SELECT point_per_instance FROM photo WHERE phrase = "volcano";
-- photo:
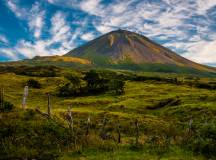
(123, 48)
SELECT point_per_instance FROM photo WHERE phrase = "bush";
(99, 83)
(35, 138)
(67, 89)
(33, 83)
(117, 86)
(205, 85)
(7, 106)
(73, 79)
(205, 141)
(95, 82)
(72, 88)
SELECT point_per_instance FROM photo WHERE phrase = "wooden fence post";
(70, 118)
(88, 125)
(137, 132)
(25, 94)
(2, 98)
(119, 132)
(48, 105)
(103, 133)
(190, 127)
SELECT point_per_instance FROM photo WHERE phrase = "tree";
(7, 107)
(76, 81)
(72, 88)
(95, 82)
(33, 83)
(117, 86)
(92, 77)
(66, 90)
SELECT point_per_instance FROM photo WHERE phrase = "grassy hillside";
(175, 116)
(62, 59)
(94, 61)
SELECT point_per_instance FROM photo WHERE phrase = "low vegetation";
(34, 71)
(105, 114)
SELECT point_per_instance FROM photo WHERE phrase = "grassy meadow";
(155, 119)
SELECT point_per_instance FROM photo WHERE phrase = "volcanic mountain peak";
(121, 46)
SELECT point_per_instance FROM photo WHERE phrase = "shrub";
(205, 85)
(202, 140)
(99, 83)
(73, 79)
(31, 139)
(95, 82)
(205, 141)
(7, 106)
(117, 86)
(33, 83)
(66, 90)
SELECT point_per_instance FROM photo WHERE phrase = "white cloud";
(87, 36)
(60, 34)
(103, 28)
(60, 29)
(3, 39)
(61, 40)
(202, 52)
(51, 1)
(120, 7)
(19, 12)
(91, 6)
(10, 53)
(36, 20)
(34, 16)
(204, 5)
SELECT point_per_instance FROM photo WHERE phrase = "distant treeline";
(191, 81)
(37, 71)
(103, 76)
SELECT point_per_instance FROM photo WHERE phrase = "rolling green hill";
(175, 116)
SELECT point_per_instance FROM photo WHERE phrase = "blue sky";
(54, 27)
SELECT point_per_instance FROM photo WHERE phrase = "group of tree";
(92, 83)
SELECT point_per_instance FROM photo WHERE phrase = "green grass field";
(143, 100)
